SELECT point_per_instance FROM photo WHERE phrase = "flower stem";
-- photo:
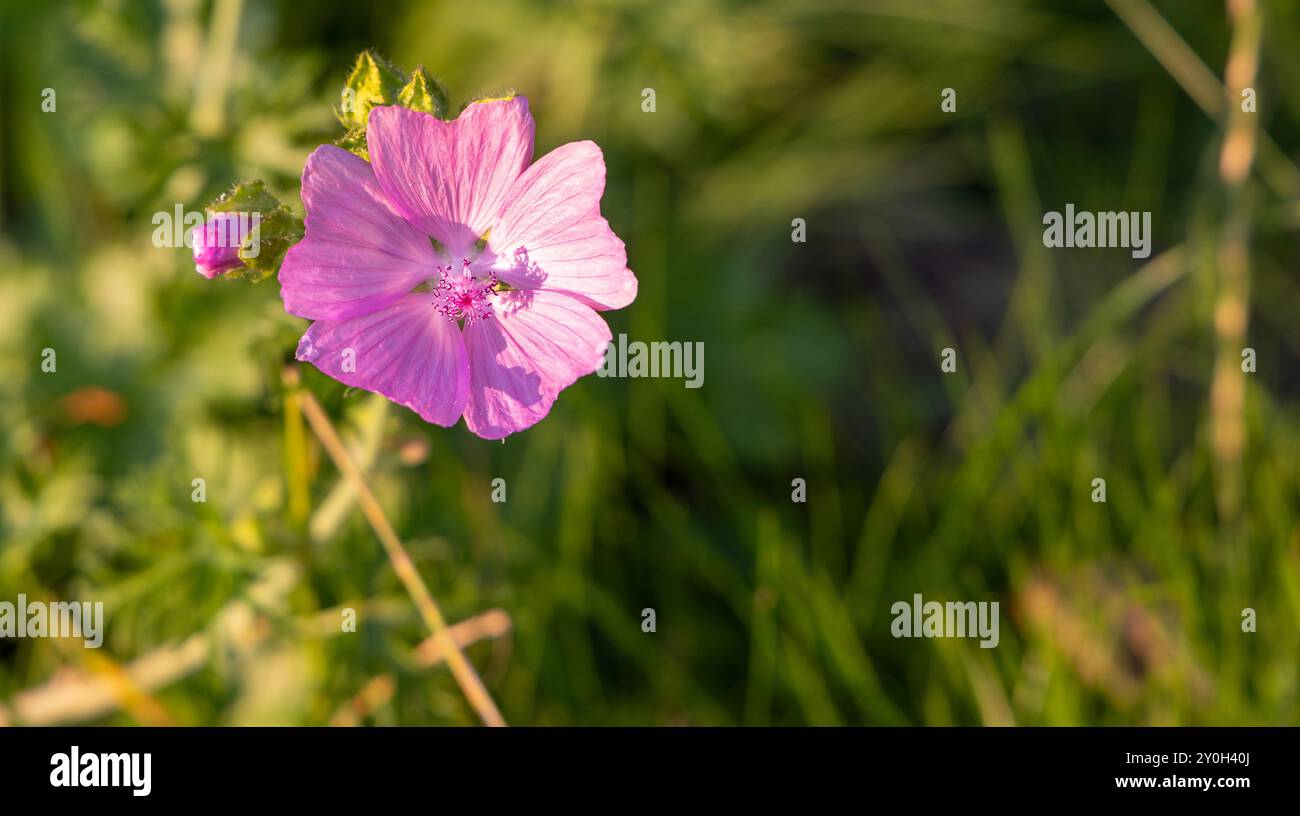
(466, 676)
(1232, 304)
(295, 457)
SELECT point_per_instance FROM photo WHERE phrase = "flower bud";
(217, 243)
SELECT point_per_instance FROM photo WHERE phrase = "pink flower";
(492, 330)
(216, 243)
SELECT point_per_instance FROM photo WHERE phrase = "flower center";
(464, 297)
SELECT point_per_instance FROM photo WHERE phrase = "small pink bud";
(217, 242)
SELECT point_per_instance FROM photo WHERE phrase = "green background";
(822, 363)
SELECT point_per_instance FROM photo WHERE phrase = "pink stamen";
(464, 297)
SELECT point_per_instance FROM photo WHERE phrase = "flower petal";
(359, 255)
(407, 352)
(450, 179)
(534, 346)
(552, 236)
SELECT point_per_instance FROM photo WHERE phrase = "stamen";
(463, 297)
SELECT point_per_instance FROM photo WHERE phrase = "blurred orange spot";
(94, 404)
(413, 450)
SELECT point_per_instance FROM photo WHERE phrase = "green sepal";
(424, 93)
(246, 196)
(373, 81)
(354, 141)
(279, 230)
(505, 97)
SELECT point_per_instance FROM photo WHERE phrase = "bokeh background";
(822, 363)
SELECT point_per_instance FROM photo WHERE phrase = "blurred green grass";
(821, 363)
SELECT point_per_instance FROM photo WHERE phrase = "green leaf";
(424, 93)
(373, 81)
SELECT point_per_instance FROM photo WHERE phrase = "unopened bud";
(217, 242)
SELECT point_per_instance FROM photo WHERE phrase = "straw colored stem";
(466, 676)
(1231, 308)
